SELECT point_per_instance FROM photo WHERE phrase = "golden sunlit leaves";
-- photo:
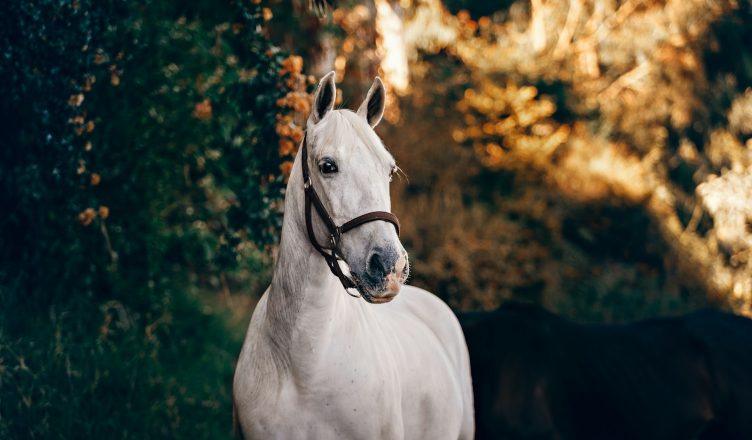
(203, 110)
(82, 125)
(509, 125)
(616, 114)
(100, 57)
(88, 82)
(294, 108)
(286, 147)
(740, 114)
(286, 167)
(87, 216)
(76, 100)
(340, 62)
(640, 69)
(292, 65)
(115, 75)
(266, 14)
(728, 200)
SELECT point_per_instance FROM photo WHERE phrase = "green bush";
(139, 164)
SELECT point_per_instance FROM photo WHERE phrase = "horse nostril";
(376, 265)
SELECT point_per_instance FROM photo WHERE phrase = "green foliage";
(139, 156)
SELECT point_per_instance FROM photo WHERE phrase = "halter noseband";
(335, 232)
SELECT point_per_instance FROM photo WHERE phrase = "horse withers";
(318, 363)
(539, 376)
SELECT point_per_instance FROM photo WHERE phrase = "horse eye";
(328, 166)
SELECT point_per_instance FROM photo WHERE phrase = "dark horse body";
(539, 376)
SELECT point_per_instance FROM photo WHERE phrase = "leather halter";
(333, 253)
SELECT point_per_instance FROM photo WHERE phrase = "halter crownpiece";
(335, 232)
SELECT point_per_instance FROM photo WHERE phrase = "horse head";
(350, 169)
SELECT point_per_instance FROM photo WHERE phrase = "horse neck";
(305, 298)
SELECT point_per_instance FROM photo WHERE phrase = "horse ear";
(373, 107)
(323, 100)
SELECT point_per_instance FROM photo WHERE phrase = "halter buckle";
(307, 183)
(334, 239)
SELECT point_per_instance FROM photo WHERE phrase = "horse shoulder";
(438, 317)
(443, 324)
(257, 383)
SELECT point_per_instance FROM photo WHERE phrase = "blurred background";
(594, 157)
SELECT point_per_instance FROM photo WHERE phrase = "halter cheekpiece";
(333, 253)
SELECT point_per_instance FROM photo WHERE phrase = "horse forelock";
(342, 127)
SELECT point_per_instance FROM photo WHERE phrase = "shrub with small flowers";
(143, 155)
(290, 125)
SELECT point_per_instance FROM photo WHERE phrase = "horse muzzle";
(384, 275)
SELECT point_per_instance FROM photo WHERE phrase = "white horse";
(317, 363)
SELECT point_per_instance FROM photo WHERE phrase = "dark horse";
(540, 376)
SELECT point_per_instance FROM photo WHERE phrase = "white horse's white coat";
(317, 363)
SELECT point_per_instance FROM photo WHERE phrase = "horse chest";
(384, 378)
(357, 390)
(351, 405)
